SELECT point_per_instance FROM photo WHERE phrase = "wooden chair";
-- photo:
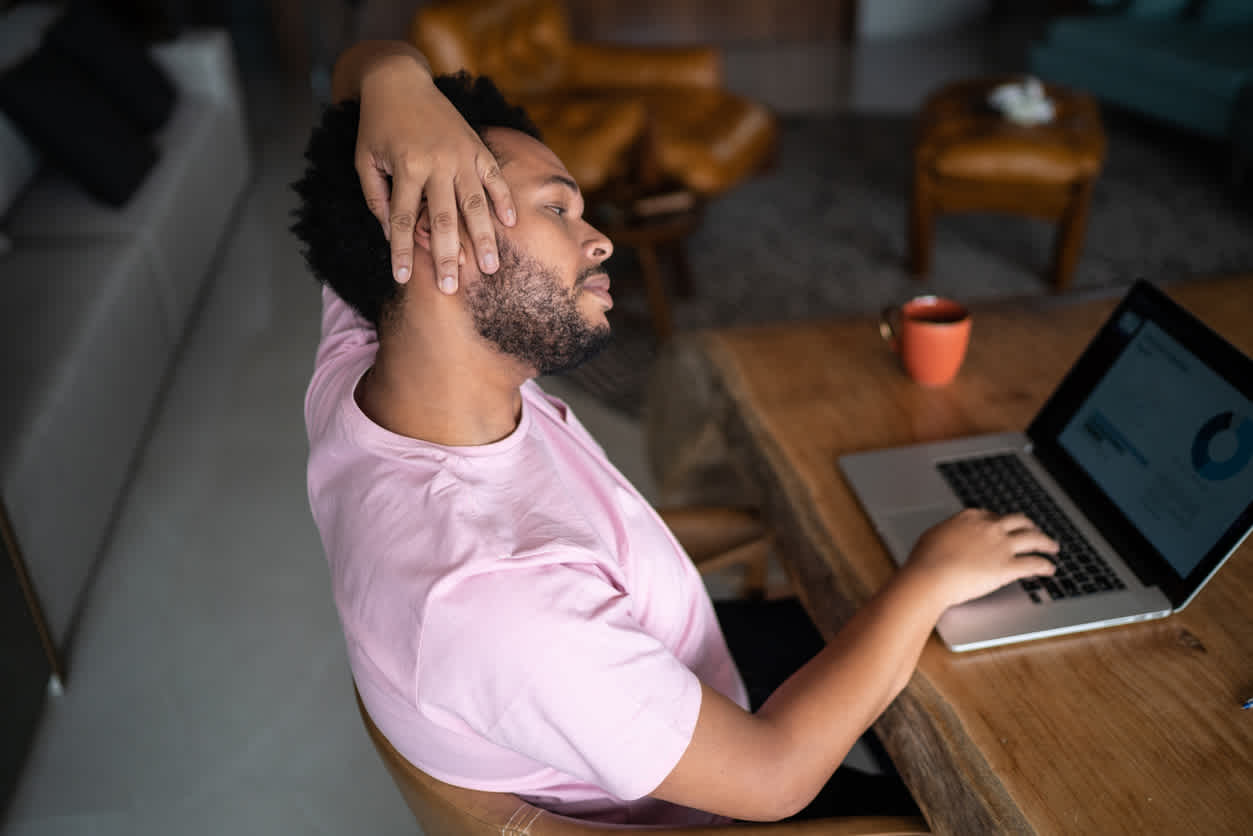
(716, 539)
(444, 810)
(722, 539)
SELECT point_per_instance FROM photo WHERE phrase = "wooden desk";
(1134, 729)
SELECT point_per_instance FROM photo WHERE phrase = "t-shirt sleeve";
(345, 334)
(342, 329)
(549, 662)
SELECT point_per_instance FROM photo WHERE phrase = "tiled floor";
(209, 691)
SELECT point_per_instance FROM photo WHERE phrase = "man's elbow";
(748, 767)
(758, 792)
(781, 791)
(776, 804)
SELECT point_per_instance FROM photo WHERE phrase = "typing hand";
(976, 552)
(412, 134)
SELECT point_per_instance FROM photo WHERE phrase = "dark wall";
(305, 30)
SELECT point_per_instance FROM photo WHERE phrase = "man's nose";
(598, 246)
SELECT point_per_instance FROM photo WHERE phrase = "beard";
(526, 313)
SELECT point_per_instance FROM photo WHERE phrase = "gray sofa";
(94, 303)
(1188, 62)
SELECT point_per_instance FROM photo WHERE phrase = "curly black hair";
(344, 243)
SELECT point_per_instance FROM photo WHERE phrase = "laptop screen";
(1168, 440)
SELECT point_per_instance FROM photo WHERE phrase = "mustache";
(595, 270)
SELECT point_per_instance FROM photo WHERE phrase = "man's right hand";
(976, 552)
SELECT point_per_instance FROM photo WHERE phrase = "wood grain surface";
(1135, 729)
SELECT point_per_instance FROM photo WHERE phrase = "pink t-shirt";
(518, 618)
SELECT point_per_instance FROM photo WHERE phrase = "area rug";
(822, 233)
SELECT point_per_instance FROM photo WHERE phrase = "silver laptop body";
(1146, 448)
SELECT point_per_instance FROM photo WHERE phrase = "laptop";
(1140, 464)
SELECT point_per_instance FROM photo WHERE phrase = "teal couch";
(1187, 62)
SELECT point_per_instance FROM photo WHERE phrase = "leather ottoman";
(968, 157)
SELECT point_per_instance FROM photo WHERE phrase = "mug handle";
(886, 330)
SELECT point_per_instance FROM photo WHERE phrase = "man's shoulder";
(477, 512)
(329, 395)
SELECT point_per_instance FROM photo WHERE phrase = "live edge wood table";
(1135, 729)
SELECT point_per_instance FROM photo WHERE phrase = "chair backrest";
(523, 45)
(444, 810)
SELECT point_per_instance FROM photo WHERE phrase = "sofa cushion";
(21, 29)
(19, 160)
(117, 63)
(57, 108)
(1146, 8)
(83, 352)
(1188, 73)
(1207, 57)
(178, 214)
(1225, 11)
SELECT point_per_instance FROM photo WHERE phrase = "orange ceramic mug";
(931, 334)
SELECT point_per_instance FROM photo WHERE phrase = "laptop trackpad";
(902, 529)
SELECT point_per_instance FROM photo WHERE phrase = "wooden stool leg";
(682, 270)
(921, 226)
(654, 284)
(1069, 241)
(756, 576)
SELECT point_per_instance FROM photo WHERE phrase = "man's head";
(545, 304)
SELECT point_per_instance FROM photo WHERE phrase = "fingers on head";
(377, 193)
(403, 214)
(497, 190)
(402, 221)
(445, 234)
(445, 228)
(478, 222)
(473, 203)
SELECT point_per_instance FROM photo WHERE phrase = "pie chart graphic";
(1223, 446)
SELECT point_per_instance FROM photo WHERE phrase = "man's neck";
(455, 401)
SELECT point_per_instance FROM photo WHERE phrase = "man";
(518, 619)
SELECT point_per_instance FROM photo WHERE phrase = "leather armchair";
(643, 117)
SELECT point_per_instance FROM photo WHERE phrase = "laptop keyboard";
(1002, 484)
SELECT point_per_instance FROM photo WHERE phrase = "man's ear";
(422, 229)
(422, 233)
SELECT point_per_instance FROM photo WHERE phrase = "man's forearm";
(827, 704)
(769, 765)
(352, 65)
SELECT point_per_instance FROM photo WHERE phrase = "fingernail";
(402, 274)
(448, 284)
(489, 261)
(510, 217)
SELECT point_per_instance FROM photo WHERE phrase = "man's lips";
(599, 286)
(599, 281)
